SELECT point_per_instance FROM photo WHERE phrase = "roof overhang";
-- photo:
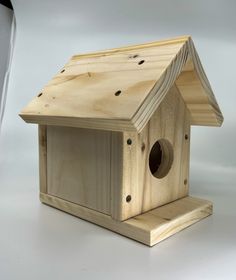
(120, 89)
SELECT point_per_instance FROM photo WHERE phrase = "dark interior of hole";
(118, 93)
(155, 157)
(141, 62)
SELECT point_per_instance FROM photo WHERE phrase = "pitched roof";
(120, 89)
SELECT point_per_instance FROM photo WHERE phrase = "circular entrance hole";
(161, 158)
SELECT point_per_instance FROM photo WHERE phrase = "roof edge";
(203, 114)
(90, 123)
(180, 39)
(204, 110)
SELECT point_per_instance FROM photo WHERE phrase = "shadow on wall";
(7, 39)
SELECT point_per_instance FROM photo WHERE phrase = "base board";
(148, 228)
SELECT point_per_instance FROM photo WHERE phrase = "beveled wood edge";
(135, 228)
(176, 40)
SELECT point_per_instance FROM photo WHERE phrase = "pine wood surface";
(79, 166)
(171, 121)
(148, 228)
(120, 89)
(99, 169)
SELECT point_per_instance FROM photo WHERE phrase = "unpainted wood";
(171, 122)
(126, 195)
(85, 91)
(116, 173)
(42, 134)
(79, 166)
(179, 39)
(148, 228)
(201, 112)
(85, 95)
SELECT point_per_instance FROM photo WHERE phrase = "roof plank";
(120, 89)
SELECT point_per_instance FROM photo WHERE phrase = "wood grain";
(129, 185)
(42, 133)
(84, 93)
(171, 122)
(78, 166)
(116, 174)
(148, 228)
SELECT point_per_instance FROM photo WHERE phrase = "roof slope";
(120, 89)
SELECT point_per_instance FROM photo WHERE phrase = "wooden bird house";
(114, 137)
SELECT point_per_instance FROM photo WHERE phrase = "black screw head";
(118, 92)
(143, 147)
(141, 62)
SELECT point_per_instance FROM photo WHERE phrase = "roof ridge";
(176, 40)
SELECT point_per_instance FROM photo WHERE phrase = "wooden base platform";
(148, 228)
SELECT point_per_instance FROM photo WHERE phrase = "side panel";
(78, 165)
(139, 190)
(171, 121)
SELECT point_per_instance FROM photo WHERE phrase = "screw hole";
(143, 147)
(118, 93)
(133, 56)
(40, 94)
(186, 136)
(141, 62)
(63, 70)
(128, 198)
(185, 181)
(129, 141)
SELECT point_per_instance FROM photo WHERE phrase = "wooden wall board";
(120, 90)
(116, 174)
(126, 195)
(148, 228)
(171, 122)
(78, 166)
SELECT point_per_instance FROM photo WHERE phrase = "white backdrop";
(37, 241)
